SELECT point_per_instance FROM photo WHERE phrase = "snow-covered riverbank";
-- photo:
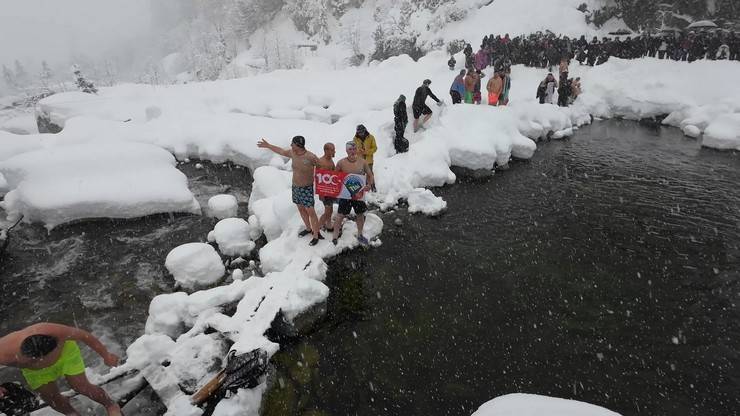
(116, 139)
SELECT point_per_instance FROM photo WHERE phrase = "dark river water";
(605, 270)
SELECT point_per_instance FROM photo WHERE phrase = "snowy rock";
(165, 314)
(222, 206)
(195, 360)
(232, 237)
(519, 404)
(691, 131)
(59, 184)
(723, 133)
(237, 275)
(424, 201)
(194, 265)
(255, 231)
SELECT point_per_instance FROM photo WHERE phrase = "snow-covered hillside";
(333, 34)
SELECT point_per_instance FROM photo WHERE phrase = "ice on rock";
(519, 404)
(195, 265)
(222, 206)
(232, 236)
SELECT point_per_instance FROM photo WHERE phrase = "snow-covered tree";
(45, 75)
(82, 83)
(311, 17)
(22, 79)
(9, 78)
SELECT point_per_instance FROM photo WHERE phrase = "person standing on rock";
(470, 81)
(327, 162)
(457, 89)
(419, 106)
(303, 163)
(495, 86)
(400, 120)
(353, 164)
(46, 352)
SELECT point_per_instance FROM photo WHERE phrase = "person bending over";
(46, 352)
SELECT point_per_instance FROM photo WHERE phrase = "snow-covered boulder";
(59, 184)
(222, 206)
(723, 133)
(691, 131)
(520, 404)
(232, 236)
(194, 265)
(424, 201)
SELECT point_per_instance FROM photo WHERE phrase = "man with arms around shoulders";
(327, 162)
(46, 352)
(357, 165)
(303, 163)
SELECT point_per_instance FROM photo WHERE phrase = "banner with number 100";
(340, 185)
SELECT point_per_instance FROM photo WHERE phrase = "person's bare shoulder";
(49, 328)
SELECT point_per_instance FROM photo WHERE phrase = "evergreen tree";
(83, 84)
(46, 75)
(21, 76)
(311, 17)
(9, 78)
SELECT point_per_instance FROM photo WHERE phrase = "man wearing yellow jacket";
(365, 143)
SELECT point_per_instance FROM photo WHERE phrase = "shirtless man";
(303, 163)
(353, 164)
(327, 162)
(45, 352)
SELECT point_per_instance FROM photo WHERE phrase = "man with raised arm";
(357, 165)
(45, 352)
(303, 163)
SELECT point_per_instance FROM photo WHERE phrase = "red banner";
(339, 185)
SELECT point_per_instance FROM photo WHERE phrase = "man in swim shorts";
(303, 163)
(327, 162)
(46, 352)
(353, 164)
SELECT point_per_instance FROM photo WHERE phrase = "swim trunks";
(303, 195)
(70, 363)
